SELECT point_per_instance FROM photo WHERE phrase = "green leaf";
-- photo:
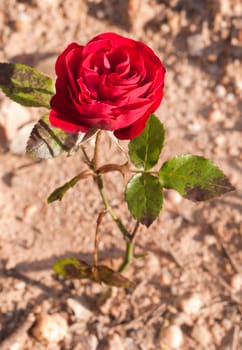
(26, 85)
(47, 142)
(144, 197)
(59, 192)
(73, 268)
(194, 177)
(144, 150)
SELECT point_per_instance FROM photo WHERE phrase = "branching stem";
(129, 237)
(129, 249)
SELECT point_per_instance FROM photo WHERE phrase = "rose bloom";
(113, 83)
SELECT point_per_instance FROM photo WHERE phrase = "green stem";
(109, 209)
(129, 249)
(99, 182)
(98, 179)
(87, 159)
(128, 256)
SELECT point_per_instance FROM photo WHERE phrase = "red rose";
(112, 83)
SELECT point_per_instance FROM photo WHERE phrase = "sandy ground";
(191, 276)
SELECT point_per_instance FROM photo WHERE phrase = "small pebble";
(225, 7)
(230, 97)
(174, 23)
(165, 28)
(205, 256)
(19, 142)
(165, 278)
(23, 22)
(183, 319)
(8, 112)
(174, 197)
(215, 116)
(217, 332)
(234, 151)
(46, 3)
(29, 212)
(238, 84)
(80, 311)
(195, 45)
(100, 14)
(228, 123)
(49, 328)
(220, 91)
(92, 342)
(115, 343)
(174, 290)
(212, 57)
(152, 264)
(237, 9)
(16, 346)
(210, 240)
(20, 285)
(202, 335)
(236, 282)
(129, 342)
(220, 140)
(191, 304)
(171, 337)
(227, 324)
(195, 126)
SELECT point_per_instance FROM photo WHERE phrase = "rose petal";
(69, 125)
(60, 63)
(133, 130)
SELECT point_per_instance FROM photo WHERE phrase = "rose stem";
(95, 253)
(93, 166)
(129, 238)
(115, 218)
(129, 249)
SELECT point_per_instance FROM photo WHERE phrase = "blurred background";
(188, 286)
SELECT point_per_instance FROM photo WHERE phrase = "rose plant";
(112, 84)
